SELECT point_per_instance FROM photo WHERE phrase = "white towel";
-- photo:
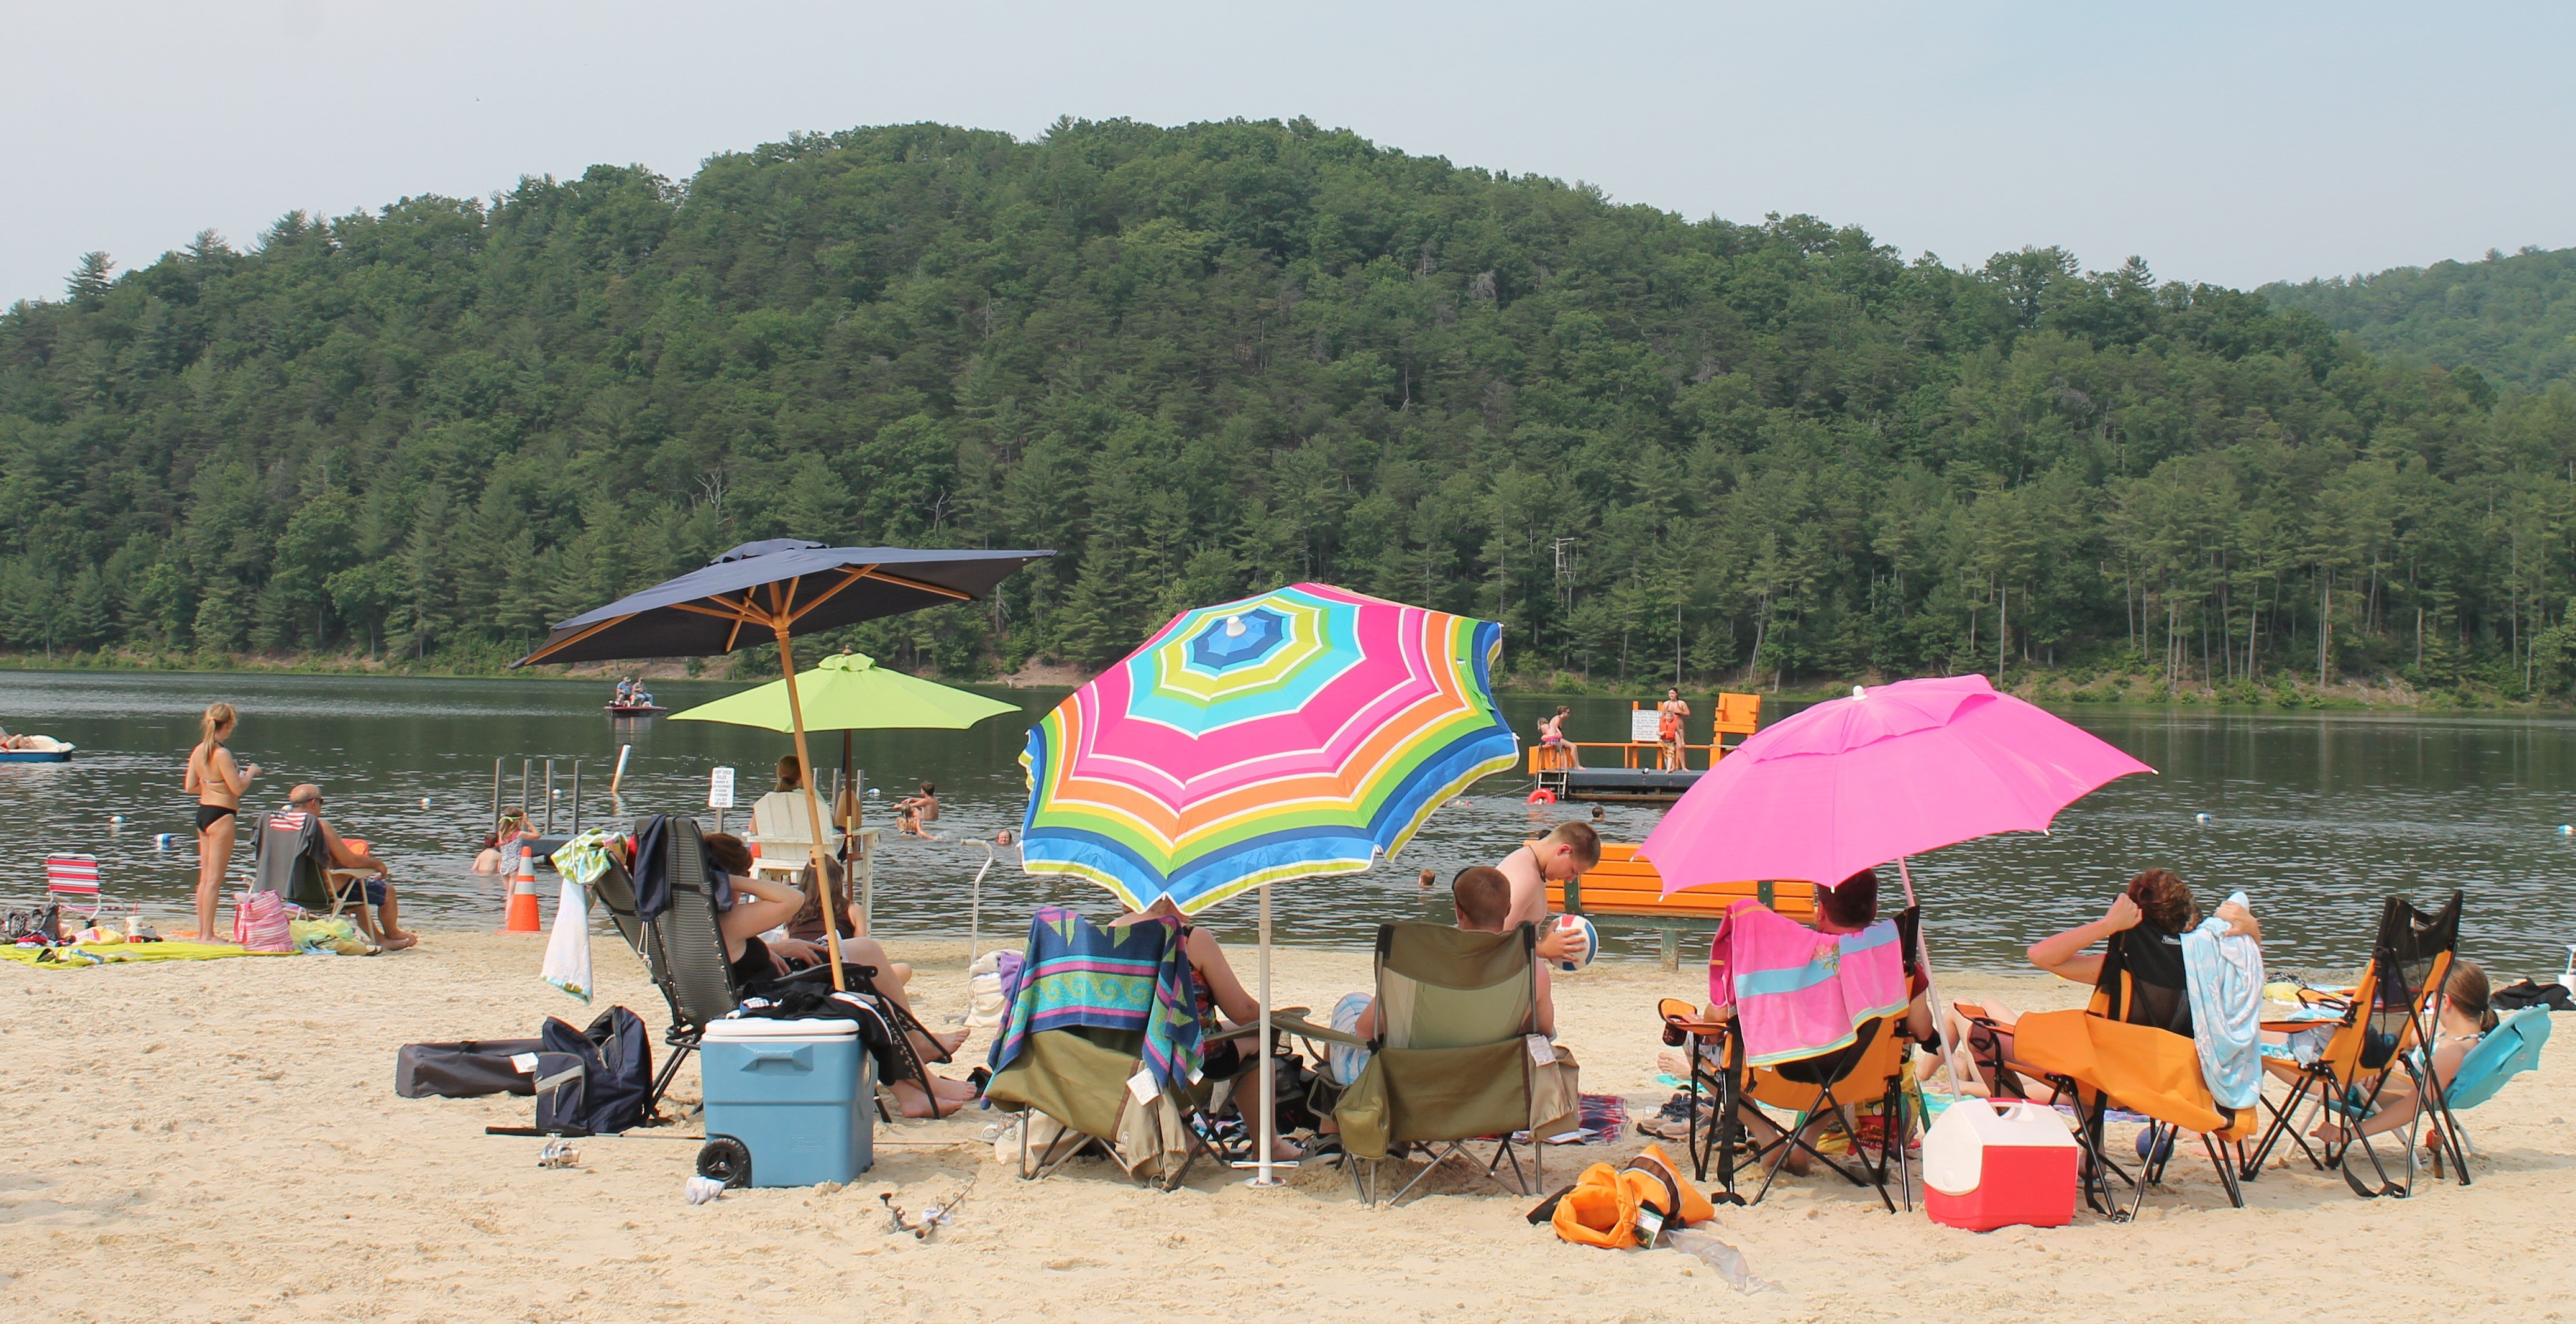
(2224, 974)
(568, 949)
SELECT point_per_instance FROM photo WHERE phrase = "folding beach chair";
(683, 951)
(290, 858)
(2388, 1018)
(1870, 1069)
(2508, 1050)
(2122, 1050)
(1453, 1062)
(1102, 1036)
(71, 881)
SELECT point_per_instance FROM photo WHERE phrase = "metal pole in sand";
(1269, 1087)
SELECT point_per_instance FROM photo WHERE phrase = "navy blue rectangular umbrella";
(764, 591)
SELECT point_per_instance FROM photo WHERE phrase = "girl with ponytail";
(217, 782)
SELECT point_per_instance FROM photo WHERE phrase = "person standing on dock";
(217, 782)
(1668, 730)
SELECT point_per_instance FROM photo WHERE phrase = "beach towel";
(1078, 974)
(1798, 993)
(567, 965)
(79, 956)
(584, 858)
(2223, 973)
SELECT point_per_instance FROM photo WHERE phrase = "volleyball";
(1581, 927)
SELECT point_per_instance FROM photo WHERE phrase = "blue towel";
(2223, 973)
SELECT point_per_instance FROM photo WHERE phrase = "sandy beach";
(219, 1140)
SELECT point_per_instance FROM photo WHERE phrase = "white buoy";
(2200, 818)
(2565, 829)
(424, 802)
(116, 818)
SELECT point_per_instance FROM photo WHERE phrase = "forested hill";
(1209, 359)
(2511, 318)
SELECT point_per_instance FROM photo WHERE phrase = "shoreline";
(2062, 688)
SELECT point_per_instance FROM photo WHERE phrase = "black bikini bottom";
(209, 815)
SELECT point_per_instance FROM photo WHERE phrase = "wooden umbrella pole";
(813, 804)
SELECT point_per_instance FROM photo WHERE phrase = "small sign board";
(720, 789)
(1641, 725)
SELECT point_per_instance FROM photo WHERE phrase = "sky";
(2234, 143)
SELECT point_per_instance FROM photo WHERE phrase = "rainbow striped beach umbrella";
(1290, 735)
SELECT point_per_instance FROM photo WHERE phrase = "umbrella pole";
(1269, 1087)
(1931, 984)
(813, 807)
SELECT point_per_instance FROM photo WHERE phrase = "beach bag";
(1629, 1206)
(469, 1068)
(260, 922)
(989, 985)
(617, 1075)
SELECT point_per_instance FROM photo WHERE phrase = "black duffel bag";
(472, 1068)
(617, 1078)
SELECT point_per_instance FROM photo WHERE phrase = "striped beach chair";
(71, 881)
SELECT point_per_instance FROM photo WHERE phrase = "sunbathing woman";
(2465, 1017)
(218, 783)
(761, 904)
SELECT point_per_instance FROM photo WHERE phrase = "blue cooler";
(801, 1095)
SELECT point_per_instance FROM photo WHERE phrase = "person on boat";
(217, 782)
(8, 741)
(307, 798)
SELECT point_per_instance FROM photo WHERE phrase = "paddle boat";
(634, 702)
(36, 749)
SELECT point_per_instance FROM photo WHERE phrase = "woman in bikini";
(1668, 730)
(217, 782)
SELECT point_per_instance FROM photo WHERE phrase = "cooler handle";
(797, 1059)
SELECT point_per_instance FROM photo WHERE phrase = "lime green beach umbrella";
(850, 692)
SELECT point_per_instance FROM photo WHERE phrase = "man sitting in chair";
(379, 889)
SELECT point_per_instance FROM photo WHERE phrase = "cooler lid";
(739, 1029)
(1954, 1150)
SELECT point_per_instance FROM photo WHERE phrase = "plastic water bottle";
(700, 1190)
(1726, 1259)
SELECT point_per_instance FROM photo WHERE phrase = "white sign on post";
(1642, 723)
(720, 789)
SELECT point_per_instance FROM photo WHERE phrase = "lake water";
(2317, 815)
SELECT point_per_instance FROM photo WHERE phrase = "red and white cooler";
(1985, 1168)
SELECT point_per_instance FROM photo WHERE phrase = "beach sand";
(219, 1140)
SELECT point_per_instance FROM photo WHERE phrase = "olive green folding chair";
(1452, 1063)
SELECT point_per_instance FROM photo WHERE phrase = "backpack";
(617, 1075)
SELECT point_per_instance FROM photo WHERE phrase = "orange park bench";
(1626, 891)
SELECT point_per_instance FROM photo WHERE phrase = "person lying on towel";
(307, 798)
(761, 904)
(2157, 900)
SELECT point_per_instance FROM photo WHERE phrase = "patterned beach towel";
(1076, 973)
(1796, 992)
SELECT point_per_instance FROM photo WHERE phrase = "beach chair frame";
(2385, 1025)
(72, 877)
(305, 878)
(683, 954)
(1514, 1000)
(2114, 1001)
(1079, 1076)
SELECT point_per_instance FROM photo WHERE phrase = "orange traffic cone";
(523, 895)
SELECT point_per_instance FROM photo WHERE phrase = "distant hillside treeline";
(1208, 359)
(2512, 318)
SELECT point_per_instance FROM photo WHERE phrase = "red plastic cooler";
(1985, 1168)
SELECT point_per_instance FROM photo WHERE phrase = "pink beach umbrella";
(1889, 772)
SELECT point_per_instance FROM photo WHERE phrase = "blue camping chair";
(2508, 1050)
